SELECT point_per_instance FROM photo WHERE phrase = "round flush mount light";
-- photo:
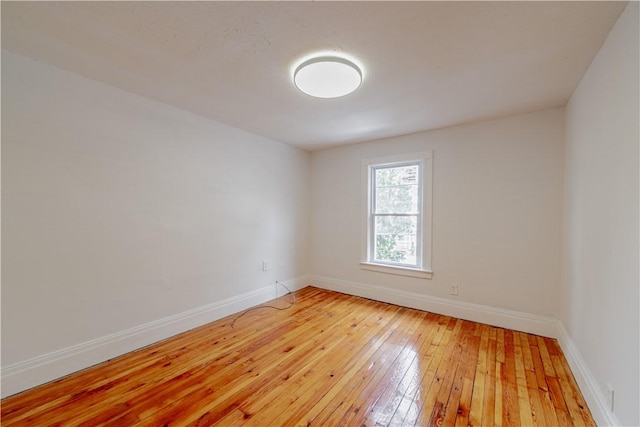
(327, 76)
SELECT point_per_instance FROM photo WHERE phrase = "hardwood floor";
(330, 359)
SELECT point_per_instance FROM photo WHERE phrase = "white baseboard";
(586, 381)
(525, 322)
(42, 369)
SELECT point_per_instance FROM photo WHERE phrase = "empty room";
(320, 213)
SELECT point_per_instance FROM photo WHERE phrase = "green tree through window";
(395, 213)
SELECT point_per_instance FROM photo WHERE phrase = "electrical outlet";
(454, 290)
(265, 266)
(610, 396)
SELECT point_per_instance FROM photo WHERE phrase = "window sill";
(400, 271)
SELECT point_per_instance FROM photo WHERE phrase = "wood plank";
(510, 405)
(489, 394)
(537, 409)
(497, 415)
(480, 379)
(439, 389)
(547, 365)
(459, 405)
(330, 359)
(543, 389)
(449, 396)
(524, 401)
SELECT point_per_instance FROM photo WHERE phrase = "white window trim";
(426, 157)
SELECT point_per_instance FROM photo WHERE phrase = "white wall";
(600, 267)
(497, 196)
(119, 210)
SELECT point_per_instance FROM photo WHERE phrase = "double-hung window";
(397, 229)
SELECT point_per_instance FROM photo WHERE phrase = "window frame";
(423, 254)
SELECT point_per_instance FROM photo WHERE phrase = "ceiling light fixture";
(327, 76)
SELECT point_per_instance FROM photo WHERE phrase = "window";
(397, 225)
(396, 214)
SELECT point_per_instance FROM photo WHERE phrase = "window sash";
(373, 215)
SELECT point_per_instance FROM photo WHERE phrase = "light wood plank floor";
(331, 359)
